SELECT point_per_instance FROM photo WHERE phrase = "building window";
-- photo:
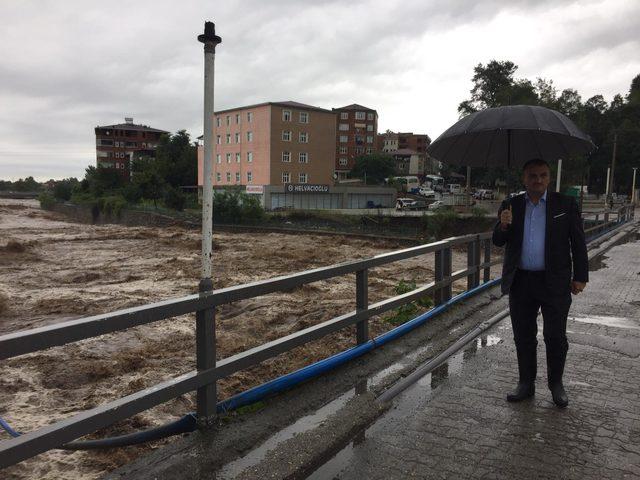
(228, 176)
(249, 136)
(249, 117)
(369, 150)
(286, 135)
(218, 122)
(249, 157)
(359, 139)
(237, 138)
(360, 115)
(343, 126)
(228, 158)
(302, 178)
(249, 177)
(218, 158)
(228, 120)
(228, 138)
(303, 137)
(369, 139)
(369, 116)
(343, 162)
(303, 157)
(286, 115)
(237, 118)
(218, 177)
(286, 156)
(238, 157)
(237, 177)
(359, 149)
(344, 139)
(344, 115)
(286, 177)
(369, 128)
(304, 117)
(343, 150)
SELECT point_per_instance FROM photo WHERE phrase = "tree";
(146, 179)
(177, 160)
(375, 167)
(63, 189)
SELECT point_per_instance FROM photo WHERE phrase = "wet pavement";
(455, 423)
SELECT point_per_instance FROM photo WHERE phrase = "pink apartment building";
(272, 143)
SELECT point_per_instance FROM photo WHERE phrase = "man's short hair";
(535, 162)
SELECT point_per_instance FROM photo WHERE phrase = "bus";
(436, 182)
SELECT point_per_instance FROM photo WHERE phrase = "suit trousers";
(529, 294)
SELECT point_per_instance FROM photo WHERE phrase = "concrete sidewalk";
(456, 424)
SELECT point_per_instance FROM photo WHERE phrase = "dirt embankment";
(53, 270)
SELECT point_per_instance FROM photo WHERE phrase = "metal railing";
(203, 379)
(208, 371)
(603, 220)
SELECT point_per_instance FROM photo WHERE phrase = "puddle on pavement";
(411, 399)
(619, 322)
(597, 263)
(255, 456)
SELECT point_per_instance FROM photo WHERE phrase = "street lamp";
(205, 320)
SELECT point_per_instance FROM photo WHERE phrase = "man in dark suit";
(544, 239)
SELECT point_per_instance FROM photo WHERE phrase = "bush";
(174, 198)
(112, 205)
(408, 311)
(439, 221)
(46, 200)
(235, 207)
(132, 193)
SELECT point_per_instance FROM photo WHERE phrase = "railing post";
(362, 303)
(487, 259)
(205, 359)
(473, 262)
(438, 273)
(446, 272)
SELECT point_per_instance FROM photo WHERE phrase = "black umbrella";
(509, 136)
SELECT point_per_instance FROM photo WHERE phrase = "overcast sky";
(68, 66)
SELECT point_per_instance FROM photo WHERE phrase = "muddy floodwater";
(52, 270)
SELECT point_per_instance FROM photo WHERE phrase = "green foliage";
(111, 205)
(22, 185)
(46, 200)
(441, 220)
(495, 85)
(376, 167)
(479, 212)
(177, 160)
(147, 179)
(63, 189)
(408, 311)
(174, 198)
(236, 207)
(254, 407)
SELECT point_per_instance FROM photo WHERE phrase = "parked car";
(437, 205)
(484, 194)
(410, 204)
(427, 192)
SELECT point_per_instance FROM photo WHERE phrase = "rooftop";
(287, 103)
(129, 125)
(355, 106)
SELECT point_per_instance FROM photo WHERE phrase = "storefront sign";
(305, 188)
(258, 189)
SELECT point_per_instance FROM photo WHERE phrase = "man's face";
(536, 179)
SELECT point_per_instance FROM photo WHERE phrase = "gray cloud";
(69, 66)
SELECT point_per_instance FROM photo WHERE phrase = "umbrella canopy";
(509, 136)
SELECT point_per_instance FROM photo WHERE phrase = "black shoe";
(522, 392)
(559, 395)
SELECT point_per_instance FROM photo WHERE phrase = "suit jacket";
(564, 245)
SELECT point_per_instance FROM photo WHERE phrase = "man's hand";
(506, 217)
(577, 287)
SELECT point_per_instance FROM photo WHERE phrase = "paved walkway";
(456, 424)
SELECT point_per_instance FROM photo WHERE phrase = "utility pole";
(633, 187)
(468, 186)
(613, 162)
(205, 319)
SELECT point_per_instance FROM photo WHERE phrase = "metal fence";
(203, 380)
